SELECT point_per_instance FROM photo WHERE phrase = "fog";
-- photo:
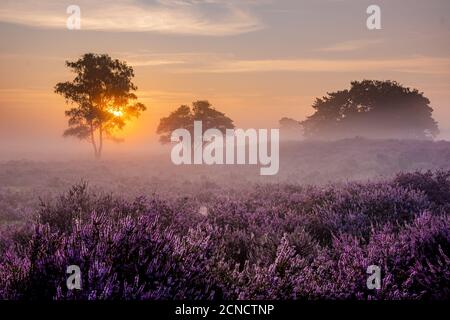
(24, 181)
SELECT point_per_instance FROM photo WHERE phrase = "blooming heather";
(276, 241)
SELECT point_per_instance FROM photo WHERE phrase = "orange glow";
(116, 113)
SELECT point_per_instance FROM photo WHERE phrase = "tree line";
(102, 100)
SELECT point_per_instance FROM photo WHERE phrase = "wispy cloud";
(152, 59)
(420, 65)
(354, 45)
(197, 17)
(24, 95)
(215, 63)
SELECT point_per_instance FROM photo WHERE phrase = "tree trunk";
(100, 148)
(94, 144)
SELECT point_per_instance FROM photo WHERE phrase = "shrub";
(276, 241)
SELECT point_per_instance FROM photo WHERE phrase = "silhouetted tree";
(103, 99)
(290, 129)
(184, 117)
(379, 109)
(180, 118)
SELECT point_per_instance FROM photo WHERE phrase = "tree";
(290, 129)
(375, 109)
(184, 117)
(102, 98)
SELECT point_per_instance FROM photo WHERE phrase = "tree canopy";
(375, 109)
(102, 98)
(290, 129)
(184, 117)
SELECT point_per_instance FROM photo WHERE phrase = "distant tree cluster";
(290, 129)
(184, 117)
(373, 109)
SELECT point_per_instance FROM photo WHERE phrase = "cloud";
(24, 95)
(195, 17)
(422, 65)
(181, 60)
(198, 62)
(354, 45)
(145, 58)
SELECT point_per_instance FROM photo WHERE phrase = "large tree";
(102, 99)
(184, 117)
(376, 109)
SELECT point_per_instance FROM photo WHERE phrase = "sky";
(255, 60)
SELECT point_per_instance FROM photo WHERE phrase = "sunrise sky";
(255, 60)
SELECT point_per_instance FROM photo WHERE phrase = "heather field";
(142, 228)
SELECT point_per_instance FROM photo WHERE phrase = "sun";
(116, 113)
